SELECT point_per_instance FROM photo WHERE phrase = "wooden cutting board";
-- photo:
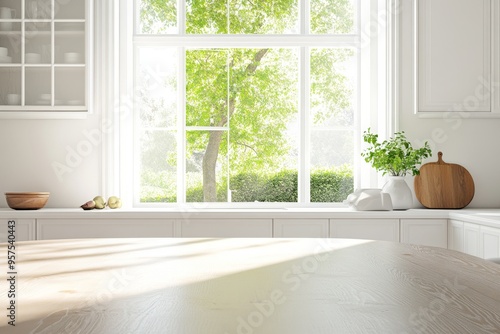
(444, 186)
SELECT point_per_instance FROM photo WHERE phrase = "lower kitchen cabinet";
(425, 232)
(226, 228)
(24, 229)
(104, 228)
(301, 228)
(489, 242)
(371, 229)
(471, 239)
(468, 237)
(474, 239)
(456, 235)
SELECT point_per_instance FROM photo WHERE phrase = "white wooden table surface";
(188, 286)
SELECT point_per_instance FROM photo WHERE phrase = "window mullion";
(305, 15)
(181, 16)
(304, 171)
(181, 107)
(181, 126)
(304, 190)
(250, 41)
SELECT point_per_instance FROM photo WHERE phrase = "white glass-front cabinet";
(44, 53)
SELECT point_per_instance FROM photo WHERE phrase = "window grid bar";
(181, 16)
(214, 41)
(136, 129)
(23, 53)
(304, 16)
(207, 128)
(228, 136)
(228, 16)
(181, 108)
(181, 123)
(303, 166)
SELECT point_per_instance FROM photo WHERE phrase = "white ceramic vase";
(399, 191)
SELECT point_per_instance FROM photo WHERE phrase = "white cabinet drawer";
(426, 232)
(301, 228)
(471, 239)
(456, 235)
(104, 228)
(489, 242)
(24, 229)
(227, 228)
(370, 229)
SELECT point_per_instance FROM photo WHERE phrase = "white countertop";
(490, 217)
(176, 213)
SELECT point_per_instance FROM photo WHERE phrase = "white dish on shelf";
(4, 52)
(42, 103)
(74, 103)
(5, 59)
(33, 58)
(13, 99)
(72, 58)
(45, 97)
(5, 26)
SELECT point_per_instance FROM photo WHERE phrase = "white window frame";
(376, 93)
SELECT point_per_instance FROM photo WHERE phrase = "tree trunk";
(209, 163)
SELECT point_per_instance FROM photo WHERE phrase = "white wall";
(30, 149)
(472, 143)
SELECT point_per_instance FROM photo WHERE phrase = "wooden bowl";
(27, 200)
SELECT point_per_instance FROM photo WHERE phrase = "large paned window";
(239, 101)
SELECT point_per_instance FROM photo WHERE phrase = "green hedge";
(326, 186)
(332, 185)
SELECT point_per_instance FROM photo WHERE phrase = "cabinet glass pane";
(70, 43)
(70, 86)
(38, 44)
(10, 9)
(43, 54)
(69, 10)
(38, 9)
(10, 44)
(10, 86)
(38, 86)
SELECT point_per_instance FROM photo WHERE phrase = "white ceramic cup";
(4, 51)
(13, 99)
(33, 58)
(7, 13)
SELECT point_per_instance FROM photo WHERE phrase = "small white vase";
(399, 191)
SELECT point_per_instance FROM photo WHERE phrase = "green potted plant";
(396, 157)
